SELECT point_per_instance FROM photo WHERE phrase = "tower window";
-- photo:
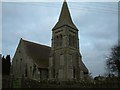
(74, 41)
(57, 41)
(69, 40)
(61, 40)
(73, 72)
(54, 41)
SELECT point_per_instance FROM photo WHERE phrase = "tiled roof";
(83, 67)
(39, 53)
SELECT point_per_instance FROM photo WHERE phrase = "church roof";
(39, 53)
(83, 67)
(65, 18)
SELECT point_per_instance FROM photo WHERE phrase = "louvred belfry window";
(61, 40)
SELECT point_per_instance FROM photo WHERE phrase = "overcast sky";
(97, 24)
(59, 0)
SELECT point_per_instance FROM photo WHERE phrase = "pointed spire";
(64, 0)
(65, 14)
(65, 17)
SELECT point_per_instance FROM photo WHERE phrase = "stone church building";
(61, 61)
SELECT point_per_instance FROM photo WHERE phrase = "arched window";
(34, 69)
(73, 71)
(25, 70)
(54, 41)
(69, 40)
(20, 65)
(61, 40)
(53, 73)
(31, 70)
(57, 40)
(16, 63)
(74, 41)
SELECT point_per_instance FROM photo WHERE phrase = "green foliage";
(17, 83)
(112, 83)
(6, 65)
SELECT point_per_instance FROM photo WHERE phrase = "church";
(62, 61)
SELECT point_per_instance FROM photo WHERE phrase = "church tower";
(65, 61)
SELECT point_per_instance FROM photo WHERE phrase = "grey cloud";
(97, 31)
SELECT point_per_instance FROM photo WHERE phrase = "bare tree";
(113, 60)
